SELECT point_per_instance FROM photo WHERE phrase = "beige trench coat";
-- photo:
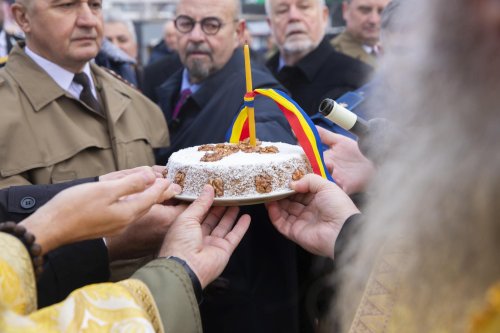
(345, 43)
(47, 136)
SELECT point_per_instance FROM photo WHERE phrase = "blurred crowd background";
(150, 17)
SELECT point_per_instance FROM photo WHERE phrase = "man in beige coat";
(48, 133)
(64, 118)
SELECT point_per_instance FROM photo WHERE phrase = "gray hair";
(267, 5)
(127, 23)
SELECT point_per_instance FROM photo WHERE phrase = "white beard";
(293, 46)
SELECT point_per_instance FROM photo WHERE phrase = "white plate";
(242, 201)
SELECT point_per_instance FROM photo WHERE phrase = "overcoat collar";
(30, 77)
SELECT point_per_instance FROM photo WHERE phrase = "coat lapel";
(115, 100)
(29, 75)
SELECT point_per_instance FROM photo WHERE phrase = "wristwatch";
(198, 292)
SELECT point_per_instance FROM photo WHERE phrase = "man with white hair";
(119, 50)
(309, 67)
(122, 34)
(306, 64)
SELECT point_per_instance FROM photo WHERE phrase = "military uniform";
(48, 136)
(345, 43)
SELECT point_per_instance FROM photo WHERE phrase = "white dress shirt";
(61, 76)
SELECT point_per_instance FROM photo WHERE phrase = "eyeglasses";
(209, 25)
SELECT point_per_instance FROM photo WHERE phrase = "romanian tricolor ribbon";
(302, 126)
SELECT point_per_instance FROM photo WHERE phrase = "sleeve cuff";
(173, 292)
(194, 279)
(345, 232)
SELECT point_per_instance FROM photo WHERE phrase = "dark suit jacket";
(257, 291)
(207, 115)
(66, 268)
(323, 73)
(157, 72)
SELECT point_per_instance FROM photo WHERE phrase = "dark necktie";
(185, 93)
(86, 95)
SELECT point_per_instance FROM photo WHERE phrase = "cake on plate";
(238, 170)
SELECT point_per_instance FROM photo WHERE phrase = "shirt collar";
(61, 76)
(185, 82)
(281, 62)
(369, 49)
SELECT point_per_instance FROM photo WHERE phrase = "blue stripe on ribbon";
(249, 104)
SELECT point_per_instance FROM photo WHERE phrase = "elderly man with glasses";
(200, 100)
(258, 290)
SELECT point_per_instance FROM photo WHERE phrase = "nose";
(374, 17)
(294, 13)
(197, 33)
(86, 17)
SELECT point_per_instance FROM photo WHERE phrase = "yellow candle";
(248, 76)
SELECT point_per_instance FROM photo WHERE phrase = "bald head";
(205, 53)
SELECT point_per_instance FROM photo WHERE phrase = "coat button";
(28, 202)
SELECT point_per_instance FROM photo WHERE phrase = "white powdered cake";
(238, 170)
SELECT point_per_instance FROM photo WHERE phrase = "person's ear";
(325, 14)
(269, 22)
(240, 32)
(21, 16)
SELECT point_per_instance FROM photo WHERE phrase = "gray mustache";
(294, 27)
(197, 48)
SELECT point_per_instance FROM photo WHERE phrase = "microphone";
(346, 119)
(375, 136)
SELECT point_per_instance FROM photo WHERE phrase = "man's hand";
(205, 237)
(313, 217)
(157, 169)
(349, 167)
(98, 209)
(145, 236)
